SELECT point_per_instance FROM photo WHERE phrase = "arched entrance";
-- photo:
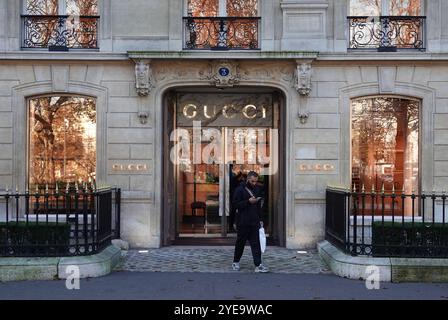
(212, 139)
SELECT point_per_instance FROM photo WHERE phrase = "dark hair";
(252, 174)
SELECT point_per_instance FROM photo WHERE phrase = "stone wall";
(293, 25)
(322, 140)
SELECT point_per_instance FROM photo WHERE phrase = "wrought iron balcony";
(387, 33)
(221, 33)
(60, 33)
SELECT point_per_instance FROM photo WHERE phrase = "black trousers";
(250, 233)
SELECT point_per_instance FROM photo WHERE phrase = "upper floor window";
(385, 7)
(221, 24)
(386, 25)
(60, 24)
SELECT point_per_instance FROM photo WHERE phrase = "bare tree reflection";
(62, 140)
(385, 134)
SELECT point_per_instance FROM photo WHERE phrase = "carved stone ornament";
(223, 73)
(143, 77)
(302, 77)
(303, 117)
(143, 116)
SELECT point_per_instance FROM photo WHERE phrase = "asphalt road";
(228, 286)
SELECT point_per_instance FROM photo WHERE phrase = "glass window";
(42, 7)
(203, 8)
(365, 8)
(209, 25)
(405, 7)
(212, 8)
(60, 24)
(82, 8)
(242, 8)
(385, 144)
(385, 7)
(62, 7)
(62, 140)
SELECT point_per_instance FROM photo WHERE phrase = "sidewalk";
(219, 260)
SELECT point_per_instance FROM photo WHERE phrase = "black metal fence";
(60, 33)
(52, 223)
(387, 33)
(218, 33)
(387, 224)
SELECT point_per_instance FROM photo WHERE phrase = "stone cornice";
(63, 56)
(229, 55)
(211, 55)
(376, 56)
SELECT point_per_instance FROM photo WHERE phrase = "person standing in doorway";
(248, 200)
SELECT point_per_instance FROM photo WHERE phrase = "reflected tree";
(62, 139)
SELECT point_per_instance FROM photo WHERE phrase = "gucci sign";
(316, 167)
(224, 109)
(129, 167)
(250, 111)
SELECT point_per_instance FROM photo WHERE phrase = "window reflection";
(42, 7)
(365, 8)
(242, 8)
(405, 7)
(203, 8)
(222, 32)
(62, 140)
(385, 8)
(82, 8)
(385, 144)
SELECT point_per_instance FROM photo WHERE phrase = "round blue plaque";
(224, 72)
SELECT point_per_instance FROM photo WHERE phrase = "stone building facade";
(304, 56)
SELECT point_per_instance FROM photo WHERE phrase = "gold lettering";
(208, 116)
(187, 108)
(129, 167)
(246, 108)
(225, 114)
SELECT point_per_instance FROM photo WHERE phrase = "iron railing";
(387, 224)
(221, 33)
(387, 33)
(60, 33)
(53, 223)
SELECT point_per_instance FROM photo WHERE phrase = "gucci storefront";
(217, 137)
(179, 135)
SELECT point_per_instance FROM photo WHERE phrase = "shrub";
(409, 239)
(32, 238)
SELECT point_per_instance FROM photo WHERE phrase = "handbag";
(262, 235)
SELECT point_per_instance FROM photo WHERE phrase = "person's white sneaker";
(261, 269)
(236, 266)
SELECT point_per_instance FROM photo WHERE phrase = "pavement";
(195, 274)
(219, 260)
(197, 287)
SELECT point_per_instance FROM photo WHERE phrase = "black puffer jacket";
(247, 214)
